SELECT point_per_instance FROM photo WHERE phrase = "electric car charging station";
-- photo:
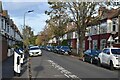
(17, 63)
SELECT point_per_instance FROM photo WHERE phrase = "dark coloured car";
(91, 56)
(43, 47)
(65, 50)
(57, 49)
(49, 48)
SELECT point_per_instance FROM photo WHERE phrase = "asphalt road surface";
(52, 65)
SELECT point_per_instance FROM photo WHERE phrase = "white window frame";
(95, 44)
(102, 43)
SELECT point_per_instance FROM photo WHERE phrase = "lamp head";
(30, 11)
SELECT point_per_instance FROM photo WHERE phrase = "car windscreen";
(92, 52)
(65, 47)
(115, 51)
(49, 47)
(58, 47)
(34, 48)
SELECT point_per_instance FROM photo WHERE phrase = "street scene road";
(48, 66)
(52, 65)
(49, 39)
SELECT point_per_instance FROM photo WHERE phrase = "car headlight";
(31, 53)
(96, 57)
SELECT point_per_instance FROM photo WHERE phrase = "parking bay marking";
(66, 73)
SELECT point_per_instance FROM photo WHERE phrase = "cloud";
(37, 23)
(17, 9)
(25, 0)
(36, 20)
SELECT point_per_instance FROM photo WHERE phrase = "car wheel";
(98, 63)
(83, 59)
(66, 52)
(91, 60)
(111, 65)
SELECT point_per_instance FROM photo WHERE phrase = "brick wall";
(117, 45)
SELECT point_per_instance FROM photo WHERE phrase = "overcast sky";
(36, 20)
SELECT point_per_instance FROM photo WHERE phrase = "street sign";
(89, 38)
(110, 39)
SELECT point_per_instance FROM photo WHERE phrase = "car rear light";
(116, 58)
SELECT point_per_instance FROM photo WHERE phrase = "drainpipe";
(119, 29)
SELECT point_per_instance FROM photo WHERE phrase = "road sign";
(89, 38)
(110, 39)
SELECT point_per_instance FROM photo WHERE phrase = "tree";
(28, 36)
(58, 19)
(44, 36)
(82, 14)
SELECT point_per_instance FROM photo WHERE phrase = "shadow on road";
(38, 69)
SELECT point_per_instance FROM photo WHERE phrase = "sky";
(36, 20)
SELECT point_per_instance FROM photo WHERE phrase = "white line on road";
(67, 73)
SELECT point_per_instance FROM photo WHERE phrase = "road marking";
(66, 73)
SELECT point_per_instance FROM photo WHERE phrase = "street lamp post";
(29, 65)
(24, 27)
(89, 39)
(25, 15)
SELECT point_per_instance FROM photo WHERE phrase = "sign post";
(89, 39)
(111, 40)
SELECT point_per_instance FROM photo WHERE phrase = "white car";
(110, 57)
(35, 51)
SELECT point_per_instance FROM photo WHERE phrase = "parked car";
(41, 47)
(35, 51)
(64, 50)
(110, 57)
(57, 49)
(91, 55)
(49, 48)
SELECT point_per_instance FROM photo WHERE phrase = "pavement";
(54, 66)
(8, 69)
